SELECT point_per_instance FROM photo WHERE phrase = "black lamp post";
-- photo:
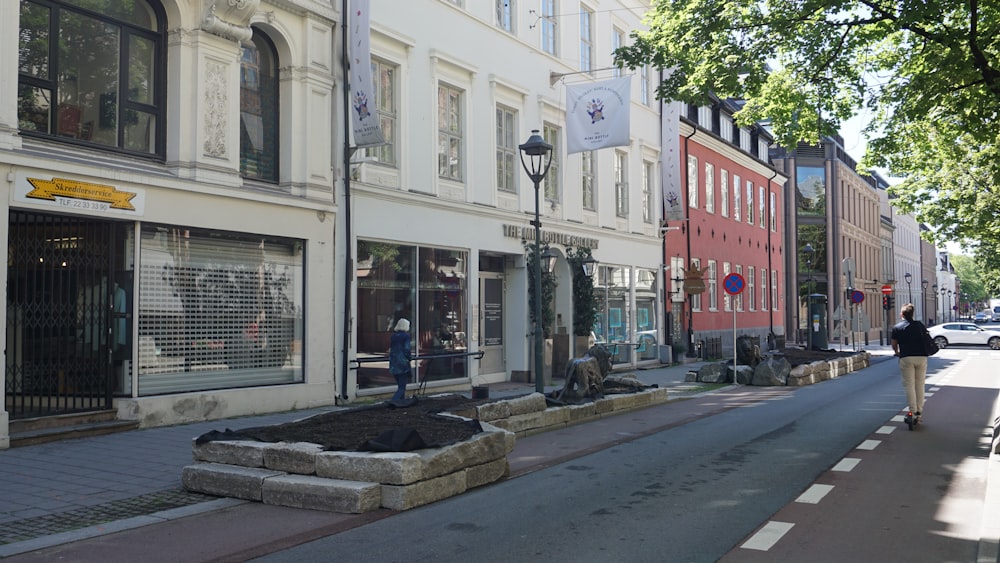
(909, 288)
(923, 298)
(808, 252)
(539, 155)
(951, 309)
(944, 314)
(934, 290)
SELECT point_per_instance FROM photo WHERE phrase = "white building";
(179, 228)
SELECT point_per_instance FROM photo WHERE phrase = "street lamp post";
(808, 252)
(539, 155)
(923, 298)
(944, 314)
(909, 288)
(934, 290)
(951, 308)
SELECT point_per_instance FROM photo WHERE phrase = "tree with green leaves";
(927, 71)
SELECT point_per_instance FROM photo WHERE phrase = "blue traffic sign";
(857, 297)
(733, 283)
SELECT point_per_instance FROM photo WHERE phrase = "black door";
(60, 289)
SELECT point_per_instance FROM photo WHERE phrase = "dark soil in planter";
(380, 427)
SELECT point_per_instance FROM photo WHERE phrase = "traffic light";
(886, 304)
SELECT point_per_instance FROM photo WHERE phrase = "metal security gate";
(59, 291)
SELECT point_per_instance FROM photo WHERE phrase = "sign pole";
(733, 284)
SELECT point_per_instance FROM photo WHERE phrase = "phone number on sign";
(83, 204)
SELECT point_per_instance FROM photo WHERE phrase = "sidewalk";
(62, 492)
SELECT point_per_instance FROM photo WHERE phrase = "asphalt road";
(699, 491)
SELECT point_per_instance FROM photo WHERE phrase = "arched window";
(259, 109)
(94, 78)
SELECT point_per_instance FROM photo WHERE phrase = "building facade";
(442, 215)
(170, 200)
(732, 224)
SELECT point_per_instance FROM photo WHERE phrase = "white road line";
(846, 464)
(869, 444)
(928, 394)
(897, 418)
(935, 388)
(814, 494)
(889, 429)
(767, 536)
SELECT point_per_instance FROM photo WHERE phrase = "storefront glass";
(427, 286)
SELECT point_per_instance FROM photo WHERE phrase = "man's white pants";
(913, 370)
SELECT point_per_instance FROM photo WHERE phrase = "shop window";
(218, 310)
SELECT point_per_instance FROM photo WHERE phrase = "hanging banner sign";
(597, 115)
(364, 122)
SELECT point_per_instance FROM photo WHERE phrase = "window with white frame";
(773, 211)
(587, 186)
(705, 117)
(724, 192)
(551, 182)
(726, 127)
(745, 140)
(384, 91)
(751, 288)
(692, 181)
(713, 286)
(763, 289)
(762, 149)
(727, 300)
(774, 290)
(739, 296)
(648, 179)
(450, 132)
(709, 187)
(507, 158)
(621, 184)
(505, 14)
(761, 207)
(586, 39)
(750, 202)
(696, 297)
(737, 199)
(617, 40)
(548, 27)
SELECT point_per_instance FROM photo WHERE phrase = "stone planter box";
(302, 475)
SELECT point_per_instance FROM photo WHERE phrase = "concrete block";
(580, 413)
(397, 468)
(486, 473)
(493, 411)
(521, 423)
(527, 404)
(315, 493)
(604, 406)
(405, 497)
(226, 480)
(245, 453)
(481, 448)
(297, 457)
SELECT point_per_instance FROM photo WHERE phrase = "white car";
(949, 334)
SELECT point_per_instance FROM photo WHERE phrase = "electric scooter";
(911, 420)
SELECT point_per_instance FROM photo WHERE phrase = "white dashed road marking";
(769, 535)
(814, 494)
(869, 444)
(846, 464)
(889, 429)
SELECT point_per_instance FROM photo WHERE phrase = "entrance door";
(60, 305)
(491, 323)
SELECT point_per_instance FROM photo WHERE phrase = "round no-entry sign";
(733, 283)
(887, 289)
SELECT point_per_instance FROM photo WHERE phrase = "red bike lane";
(900, 495)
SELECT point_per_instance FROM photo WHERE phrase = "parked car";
(949, 334)
(981, 318)
(996, 314)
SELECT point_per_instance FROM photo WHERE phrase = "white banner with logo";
(364, 121)
(597, 115)
(673, 206)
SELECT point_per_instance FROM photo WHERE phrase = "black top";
(910, 336)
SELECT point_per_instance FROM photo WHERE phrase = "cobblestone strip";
(31, 528)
